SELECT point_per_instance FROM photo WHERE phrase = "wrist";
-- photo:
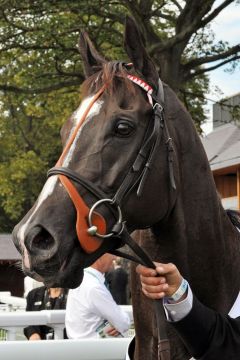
(180, 293)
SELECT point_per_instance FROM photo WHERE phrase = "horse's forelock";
(110, 74)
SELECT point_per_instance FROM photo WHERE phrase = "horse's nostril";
(39, 238)
(43, 241)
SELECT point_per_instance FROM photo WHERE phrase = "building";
(227, 111)
(222, 146)
(11, 275)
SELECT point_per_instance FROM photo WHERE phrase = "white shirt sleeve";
(104, 306)
(177, 311)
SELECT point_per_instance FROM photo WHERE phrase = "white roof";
(222, 146)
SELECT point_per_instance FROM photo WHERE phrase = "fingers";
(153, 286)
(149, 276)
(35, 336)
(112, 332)
(155, 281)
(154, 295)
(164, 269)
(144, 271)
(155, 289)
(161, 269)
(161, 282)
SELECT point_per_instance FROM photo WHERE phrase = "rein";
(91, 226)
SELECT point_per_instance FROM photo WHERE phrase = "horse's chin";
(68, 274)
(64, 281)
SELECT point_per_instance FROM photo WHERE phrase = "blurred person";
(91, 310)
(43, 298)
(30, 284)
(117, 279)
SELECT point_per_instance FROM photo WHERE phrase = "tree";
(41, 71)
(41, 37)
(30, 144)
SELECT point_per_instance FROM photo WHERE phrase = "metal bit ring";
(92, 228)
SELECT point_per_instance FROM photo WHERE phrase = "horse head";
(107, 179)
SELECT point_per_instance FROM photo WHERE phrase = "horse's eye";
(124, 128)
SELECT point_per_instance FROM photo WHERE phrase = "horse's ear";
(92, 60)
(136, 51)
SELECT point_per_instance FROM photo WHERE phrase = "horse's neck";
(205, 244)
(198, 236)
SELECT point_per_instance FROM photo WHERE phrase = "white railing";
(83, 349)
(12, 322)
(15, 321)
(11, 303)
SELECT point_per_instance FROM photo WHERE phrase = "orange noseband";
(88, 242)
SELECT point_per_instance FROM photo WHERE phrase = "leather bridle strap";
(144, 259)
(90, 243)
(136, 175)
(149, 149)
(141, 165)
(82, 210)
(58, 170)
(99, 194)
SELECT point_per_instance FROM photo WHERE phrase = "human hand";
(111, 331)
(35, 336)
(165, 284)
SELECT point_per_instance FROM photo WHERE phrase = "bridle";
(91, 225)
(95, 226)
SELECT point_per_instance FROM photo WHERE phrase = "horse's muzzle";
(40, 242)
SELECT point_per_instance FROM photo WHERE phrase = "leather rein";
(91, 226)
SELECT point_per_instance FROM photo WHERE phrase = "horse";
(132, 162)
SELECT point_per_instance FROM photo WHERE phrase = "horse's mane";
(109, 74)
(234, 216)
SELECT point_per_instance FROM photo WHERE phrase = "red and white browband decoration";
(143, 85)
(90, 243)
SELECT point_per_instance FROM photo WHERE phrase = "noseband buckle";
(118, 227)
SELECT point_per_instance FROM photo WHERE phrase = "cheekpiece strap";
(156, 99)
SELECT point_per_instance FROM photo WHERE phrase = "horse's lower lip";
(51, 269)
(71, 271)
(46, 270)
(33, 275)
(60, 274)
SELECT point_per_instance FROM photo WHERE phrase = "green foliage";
(20, 182)
(30, 144)
(194, 100)
(41, 72)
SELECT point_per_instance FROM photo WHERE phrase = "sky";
(226, 26)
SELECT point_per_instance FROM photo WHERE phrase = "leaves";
(41, 72)
(30, 144)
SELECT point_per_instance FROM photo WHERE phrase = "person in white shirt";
(30, 284)
(207, 334)
(90, 306)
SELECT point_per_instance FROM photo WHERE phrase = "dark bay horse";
(154, 173)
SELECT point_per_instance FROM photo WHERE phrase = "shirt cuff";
(177, 311)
